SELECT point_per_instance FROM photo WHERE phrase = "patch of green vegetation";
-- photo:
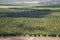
(29, 21)
(15, 6)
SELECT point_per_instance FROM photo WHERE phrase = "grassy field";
(15, 20)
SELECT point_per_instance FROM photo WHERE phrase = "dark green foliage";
(27, 14)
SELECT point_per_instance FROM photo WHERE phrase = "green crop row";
(29, 22)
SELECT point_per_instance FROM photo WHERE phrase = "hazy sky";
(26, 0)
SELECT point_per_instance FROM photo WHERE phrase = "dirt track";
(30, 38)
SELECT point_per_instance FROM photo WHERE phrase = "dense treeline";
(51, 6)
(30, 13)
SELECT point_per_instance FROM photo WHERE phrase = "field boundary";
(30, 35)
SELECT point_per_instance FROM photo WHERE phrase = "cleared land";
(29, 38)
(29, 21)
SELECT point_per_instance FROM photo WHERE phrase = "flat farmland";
(30, 38)
(29, 21)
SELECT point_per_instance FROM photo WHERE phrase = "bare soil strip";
(30, 38)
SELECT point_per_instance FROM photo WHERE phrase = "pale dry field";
(30, 38)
